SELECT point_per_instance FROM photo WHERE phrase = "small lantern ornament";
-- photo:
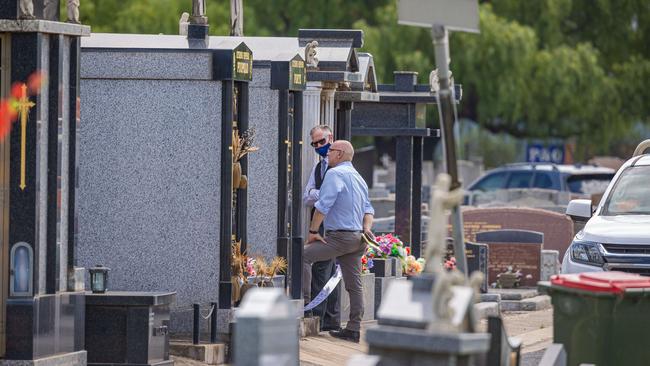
(98, 279)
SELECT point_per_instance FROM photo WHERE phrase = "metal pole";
(447, 113)
(196, 324)
(213, 322)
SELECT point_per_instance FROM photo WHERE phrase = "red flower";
(17, 90)
(408, 250)
(364, 260)
(7, 115)
(35, 81)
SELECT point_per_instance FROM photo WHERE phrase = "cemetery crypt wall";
(263, 166)
(149, 172)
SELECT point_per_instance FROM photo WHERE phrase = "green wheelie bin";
(601, 318)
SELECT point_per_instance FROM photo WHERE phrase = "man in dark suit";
(328, 310)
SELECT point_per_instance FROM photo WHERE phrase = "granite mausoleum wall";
(149, 172)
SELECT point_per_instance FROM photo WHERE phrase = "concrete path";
(534, 328)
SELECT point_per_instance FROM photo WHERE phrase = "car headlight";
(586, 252)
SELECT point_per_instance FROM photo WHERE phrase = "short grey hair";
(325, 128)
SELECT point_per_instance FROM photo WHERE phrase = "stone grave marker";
(266, 330)
(384, 207)
(477, 259)
(556, 227)
(550, 264)
(368, 283)
(402, 337)
(519, 249)
(385, 271)
(384, 225)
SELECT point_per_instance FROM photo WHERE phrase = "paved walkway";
(535, 329)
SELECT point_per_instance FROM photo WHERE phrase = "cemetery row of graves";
(177, 163)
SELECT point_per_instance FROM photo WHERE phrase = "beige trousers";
(347, 248)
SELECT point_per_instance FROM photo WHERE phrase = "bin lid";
(609, 281)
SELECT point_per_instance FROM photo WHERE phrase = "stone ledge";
(515, 293)
(490, 297)
(66, 359)
(485, 309)
(44, 26)
(531, 304)
(211, 354)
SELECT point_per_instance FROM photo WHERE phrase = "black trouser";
(321, 272)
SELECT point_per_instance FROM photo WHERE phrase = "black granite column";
(283, 151)
(416, 216)
(242, 194)
(55, 88)
(73, 125)
(403, 187)
(8, 9)
(225, 220)
(344, 120)
(25, 52)
(296, 210)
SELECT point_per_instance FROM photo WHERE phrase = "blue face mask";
(322, 151)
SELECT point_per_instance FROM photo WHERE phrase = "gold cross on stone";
(24, 105)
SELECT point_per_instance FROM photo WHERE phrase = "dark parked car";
(577, 179)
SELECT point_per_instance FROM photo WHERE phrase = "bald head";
(340, 151)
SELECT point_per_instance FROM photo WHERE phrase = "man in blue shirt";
(344, 209)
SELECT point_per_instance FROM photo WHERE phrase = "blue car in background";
(580, 180)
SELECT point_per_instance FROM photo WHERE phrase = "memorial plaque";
(556, 227)
(241, 59)
(518, 249)
(288, 75)
(477, 259)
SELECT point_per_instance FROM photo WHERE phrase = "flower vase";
(265, 281)
(236, 175)
(508, 280)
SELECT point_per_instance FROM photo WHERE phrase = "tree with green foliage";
(539, 68)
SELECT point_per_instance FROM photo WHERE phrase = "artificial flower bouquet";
(389, 245)
(413, 266)
(385, 246)
(248, 271)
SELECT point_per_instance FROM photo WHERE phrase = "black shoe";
(326, 328)
(346, 335)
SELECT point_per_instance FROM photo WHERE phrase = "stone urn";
(265, 281)
(508, 280)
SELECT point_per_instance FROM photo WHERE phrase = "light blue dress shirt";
(343, 198)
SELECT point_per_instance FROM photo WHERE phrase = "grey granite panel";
(263, 170)
(148, 196)
(427, 341)
(146, 65)
(376, 115)
(261, 79)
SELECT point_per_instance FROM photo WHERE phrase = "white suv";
(617, 235)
